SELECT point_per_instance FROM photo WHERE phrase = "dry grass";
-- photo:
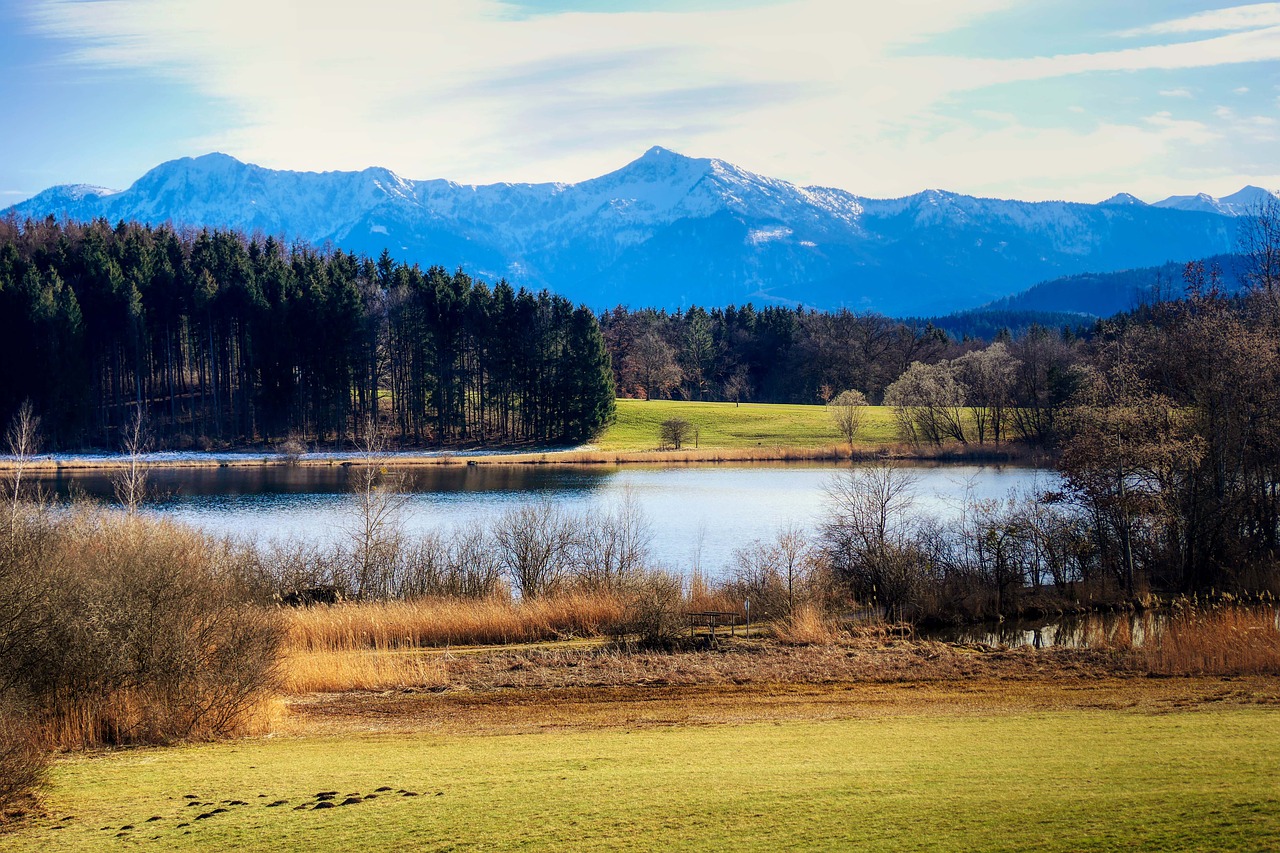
(387, 625)
(377, 645)
(806, 625)
(128, 716)
(807, 648)
(370, 669)
(1223, 640)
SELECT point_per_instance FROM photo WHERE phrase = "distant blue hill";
(670, 231)
(1105, 293)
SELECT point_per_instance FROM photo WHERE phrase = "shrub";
(125, 629)
(673, 433)
(22, 760)
(654, 609)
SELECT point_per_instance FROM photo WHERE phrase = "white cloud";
(1176, 93)
(816, 91)
(1216, 20)
(1241, 90)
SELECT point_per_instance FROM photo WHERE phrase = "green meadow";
(726, 425)
(1056, 780)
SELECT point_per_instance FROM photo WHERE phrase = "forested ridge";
(222, 340)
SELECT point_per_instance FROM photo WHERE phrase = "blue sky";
(1072, 99)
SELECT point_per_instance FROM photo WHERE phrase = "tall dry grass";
(379, 645)
(1221, 640)
(387, 625)
(805, 625)
(329, 671)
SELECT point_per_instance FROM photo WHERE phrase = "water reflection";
(1081, 631)
(699, 514)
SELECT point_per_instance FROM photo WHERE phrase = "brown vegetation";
(441, 622)
(1220, 640)
(22, 761)
(124, 629)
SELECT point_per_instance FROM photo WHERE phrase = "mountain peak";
(216, 158)
(1122, 199)
(658, 152)
(1248, 195)
(657, 165)
(1239, 203)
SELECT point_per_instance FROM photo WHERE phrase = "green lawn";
(747, 425)
(1072, 781)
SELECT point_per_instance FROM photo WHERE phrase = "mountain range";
(668, 230)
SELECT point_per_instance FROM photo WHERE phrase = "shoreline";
(1006, 454)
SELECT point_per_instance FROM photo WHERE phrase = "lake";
(699, 513)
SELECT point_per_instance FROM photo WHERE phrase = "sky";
(1030, 99)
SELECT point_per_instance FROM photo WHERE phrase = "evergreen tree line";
(222, 340)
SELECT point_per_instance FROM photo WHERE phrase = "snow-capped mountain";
(668, 230)
(1240, 203)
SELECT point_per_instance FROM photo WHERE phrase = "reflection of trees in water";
(1082, 631)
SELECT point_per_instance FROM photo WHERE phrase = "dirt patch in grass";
(515, 691)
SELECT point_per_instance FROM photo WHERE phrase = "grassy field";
(724, 425)
(1075, 780)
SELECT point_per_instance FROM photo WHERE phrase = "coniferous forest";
(222, 340)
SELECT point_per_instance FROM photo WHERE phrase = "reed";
(806, 625)
(361, 669)
(1218, 640)
(387, 625)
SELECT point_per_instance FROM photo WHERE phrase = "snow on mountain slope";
(1240, 203)
(668, 230)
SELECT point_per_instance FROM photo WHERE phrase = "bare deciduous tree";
(870, 534)
(987, 376)
(612, 544)
(652, 365)
(674, 432)
(535, 544)
(776, 574)
(737, 385)
(376, 531)
(928, 403)
(130, 482)
(23, 441)
(1260, 246)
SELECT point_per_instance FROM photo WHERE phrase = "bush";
(22, 760)
(673, 433)
(653, 609)
(125, 629)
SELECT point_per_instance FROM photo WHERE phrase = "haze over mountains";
(668, 230)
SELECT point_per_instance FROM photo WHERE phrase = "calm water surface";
(697, 513)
